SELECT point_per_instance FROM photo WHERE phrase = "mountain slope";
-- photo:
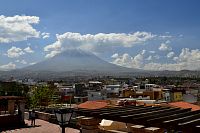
(76, 60)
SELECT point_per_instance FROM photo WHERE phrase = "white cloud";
(115, 55)
(8, 66)
(28, 50)
(170, 54)
(157, 57)
(17, 28)
(97, 42)
(192, 65)
(149, 58)
(14, 52)
(159, 67)
(45, 35)
(187, 60)
(123, 60)
(189, 55)
(165, 36)
(152, 52)
(164, 47)
(21, 61)
(53, 47)
(168, 41)
(175, 58)
(32, 63)
(138, 60)
(181, 35)
(52, 54)
(132, 62)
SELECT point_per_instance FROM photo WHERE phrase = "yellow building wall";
(178, 96)
(128, 93)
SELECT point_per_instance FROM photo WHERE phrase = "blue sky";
(146, 34)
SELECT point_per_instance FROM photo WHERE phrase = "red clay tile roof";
(93, 104)
(185, 105)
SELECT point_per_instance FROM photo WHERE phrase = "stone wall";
(10, 120)
(43, 116)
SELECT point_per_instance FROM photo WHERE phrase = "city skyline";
(150, 35)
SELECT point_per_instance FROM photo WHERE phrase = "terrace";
(142, 119)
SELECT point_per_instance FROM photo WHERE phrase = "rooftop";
(185, 105)
(93, 104)
(94, 82)
(157, 116)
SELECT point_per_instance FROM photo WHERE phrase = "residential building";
(166, 95)
(67, 93)
(95, 85)
(80, 89)
(95, 95)
(176, 96)
(113, 91)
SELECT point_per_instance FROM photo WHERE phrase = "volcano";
(76, 60)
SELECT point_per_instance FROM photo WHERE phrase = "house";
(191, 95)
(172, 93)
(67, 93)
(145, 87)
(149, 86)
(176, 96)
(80, 89)
(95, 95)
(190, 98)
(113, 91)
(95, 85)
(166, 95)
(151, 90)
(128, 90)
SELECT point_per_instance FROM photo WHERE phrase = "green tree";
(41, 96)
